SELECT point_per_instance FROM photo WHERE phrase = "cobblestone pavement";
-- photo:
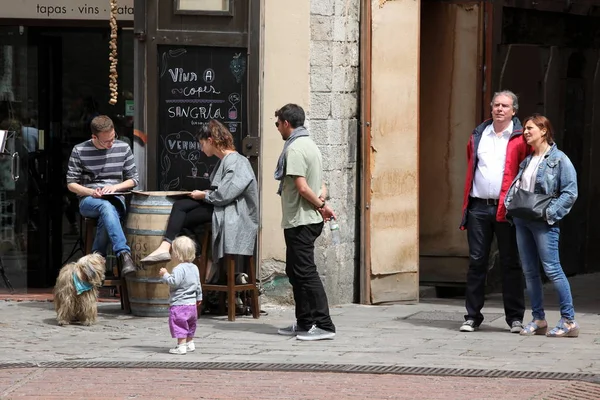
(90, 384)
(401, 335)
(419, 335)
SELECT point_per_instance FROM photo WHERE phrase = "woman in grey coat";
(231, 202)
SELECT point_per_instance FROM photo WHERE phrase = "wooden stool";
(231, 288)
(118, 281)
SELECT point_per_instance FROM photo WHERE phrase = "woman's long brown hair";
(222, 138)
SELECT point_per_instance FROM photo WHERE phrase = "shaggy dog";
(84, 276)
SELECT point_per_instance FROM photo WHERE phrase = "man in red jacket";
(494, 152)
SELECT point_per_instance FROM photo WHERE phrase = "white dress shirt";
(491, 158)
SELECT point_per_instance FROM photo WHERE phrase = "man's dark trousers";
(312, 307)
(481, 227)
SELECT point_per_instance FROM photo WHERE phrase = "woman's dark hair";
(543, 123)
(292, 113)
(222, 138)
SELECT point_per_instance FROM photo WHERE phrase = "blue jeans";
(109, 214)
(538, 240)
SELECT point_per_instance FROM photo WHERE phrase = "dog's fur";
(68, 304)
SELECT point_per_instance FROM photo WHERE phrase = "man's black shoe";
(127, 265)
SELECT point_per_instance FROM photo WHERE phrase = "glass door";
(18, 98)
(52, 83)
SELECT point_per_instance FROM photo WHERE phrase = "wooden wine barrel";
(147, 219)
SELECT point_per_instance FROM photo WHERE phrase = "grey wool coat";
(234, 195)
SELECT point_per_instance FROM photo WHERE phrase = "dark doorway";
(574, 226)
(58, 82)
(552, 61)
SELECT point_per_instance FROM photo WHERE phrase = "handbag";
(528, 205)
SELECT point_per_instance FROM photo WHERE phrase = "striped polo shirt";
(95, 168)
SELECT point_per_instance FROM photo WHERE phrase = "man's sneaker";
(516, 327)
(315, 333)
(190, 346)
(291, 330)
(469, 326)
(178, 350)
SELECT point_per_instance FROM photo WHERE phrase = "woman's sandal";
(533, 329)
(564, 328)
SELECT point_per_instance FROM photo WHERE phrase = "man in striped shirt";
(97, 169)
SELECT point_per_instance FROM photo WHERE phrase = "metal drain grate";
(345, 368)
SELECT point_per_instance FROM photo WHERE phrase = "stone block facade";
(332, 119)
(333, 122)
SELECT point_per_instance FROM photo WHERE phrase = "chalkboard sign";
(196, 84)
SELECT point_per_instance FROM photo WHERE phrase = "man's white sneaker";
(291, 330)
(469, 326)
(315, 333)
(190, 346)
(178, 350)
(516, 327)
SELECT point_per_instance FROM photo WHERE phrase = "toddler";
(185, 294)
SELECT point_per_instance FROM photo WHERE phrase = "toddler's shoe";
(178, 350)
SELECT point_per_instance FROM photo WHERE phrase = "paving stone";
(153, 384)
(366, 335)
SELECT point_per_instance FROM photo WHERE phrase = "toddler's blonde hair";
(184, 249)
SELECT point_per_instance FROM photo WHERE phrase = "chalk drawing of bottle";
(234, 98)
(193, 157)
(233, 113)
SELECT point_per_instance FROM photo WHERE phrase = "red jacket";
(516, 151)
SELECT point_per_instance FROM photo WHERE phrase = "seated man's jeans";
(109, 213)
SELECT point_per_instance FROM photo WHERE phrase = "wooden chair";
(118, 281)
(231, 288)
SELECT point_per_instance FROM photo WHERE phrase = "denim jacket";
(556, 175)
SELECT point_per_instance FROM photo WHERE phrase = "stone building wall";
(332, 115)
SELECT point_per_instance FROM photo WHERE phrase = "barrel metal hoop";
(164, 302)
(159, 211)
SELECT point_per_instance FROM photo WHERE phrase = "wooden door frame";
(151, 37)
(366, 25)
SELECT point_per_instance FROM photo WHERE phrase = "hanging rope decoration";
(112, 78)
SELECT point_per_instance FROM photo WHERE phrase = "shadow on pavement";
(452, 325)
(112, 309)
(149, 349)
(584, 289)
(221, 324)
(42, 305)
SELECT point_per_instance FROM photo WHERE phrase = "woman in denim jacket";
(547, 171)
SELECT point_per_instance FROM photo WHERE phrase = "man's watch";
(322, 205)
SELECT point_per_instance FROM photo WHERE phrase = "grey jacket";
(234, 196)
(184, 285)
